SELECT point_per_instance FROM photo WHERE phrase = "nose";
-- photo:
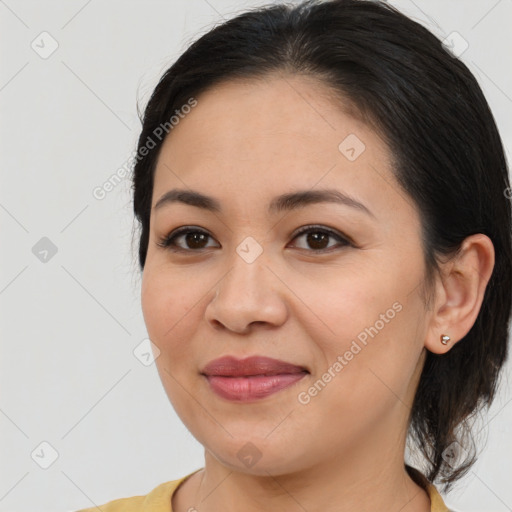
(249, 294)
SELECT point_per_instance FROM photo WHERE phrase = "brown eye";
(317, 239)
(185, 239)
(195, 240)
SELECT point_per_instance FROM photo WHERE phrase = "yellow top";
(436, 502)
(159, 499)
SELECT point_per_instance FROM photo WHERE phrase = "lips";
(229, 366)
(250, 379)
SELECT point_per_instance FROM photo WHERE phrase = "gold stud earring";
(445, 339)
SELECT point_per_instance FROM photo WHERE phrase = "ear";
(459, 292)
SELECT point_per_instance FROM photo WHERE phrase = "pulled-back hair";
(447, 156)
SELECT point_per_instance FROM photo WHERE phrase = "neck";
(358, 484)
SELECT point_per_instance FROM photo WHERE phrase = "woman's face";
(348, 311)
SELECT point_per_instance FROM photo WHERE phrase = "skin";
(243, 144)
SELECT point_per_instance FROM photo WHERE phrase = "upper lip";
(229, 366)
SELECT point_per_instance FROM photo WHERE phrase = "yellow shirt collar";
(436, 501)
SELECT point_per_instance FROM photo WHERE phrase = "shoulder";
(133, 504)
(158, 500)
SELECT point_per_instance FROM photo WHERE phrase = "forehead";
(277, 113)
(278, 134)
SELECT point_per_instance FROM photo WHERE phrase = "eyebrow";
(284, 202)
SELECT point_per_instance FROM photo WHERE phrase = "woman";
(326, 253)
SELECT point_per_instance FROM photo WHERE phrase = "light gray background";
(69, 325)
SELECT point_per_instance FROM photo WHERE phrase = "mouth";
(250, 379)
(230, 366)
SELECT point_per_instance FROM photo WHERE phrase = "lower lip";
(248, 389)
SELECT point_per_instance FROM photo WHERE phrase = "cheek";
(369, 318)
(170, 323)
(171, 309)
(345, 301)
(378, 358)
(165, 305)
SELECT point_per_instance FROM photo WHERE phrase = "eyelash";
(168, 242)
